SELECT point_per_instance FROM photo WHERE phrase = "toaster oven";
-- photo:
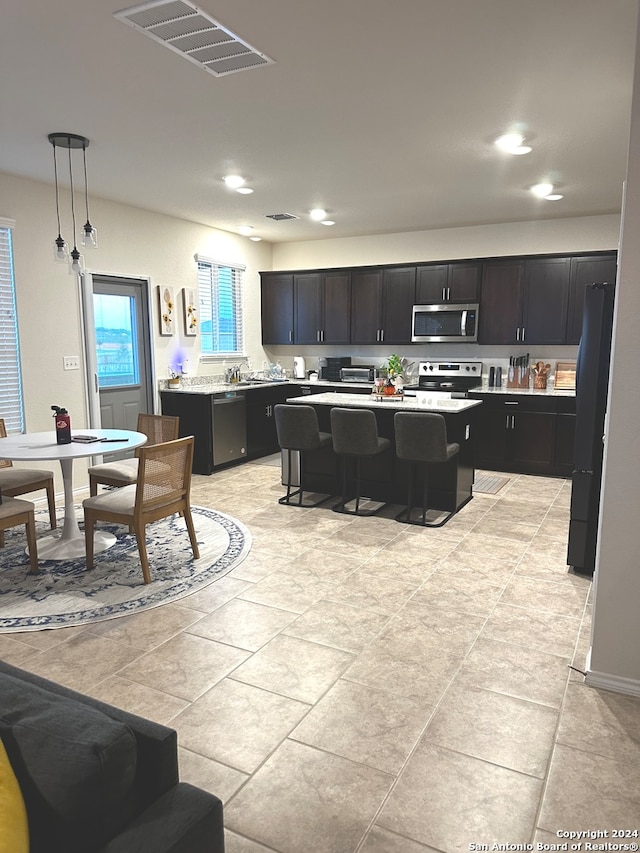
(358, 374)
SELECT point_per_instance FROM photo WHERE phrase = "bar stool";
(355, 434)
(421, 439)
(297, 429)
(13, 512)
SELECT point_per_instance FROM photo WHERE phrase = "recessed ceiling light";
(244, 190)
(317, 213)
(233, 181)
(245, 230)
(512, 143)
(553, 197)
(327, 222)
(542, 190)
(255, 239)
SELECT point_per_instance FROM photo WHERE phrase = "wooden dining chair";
(162, 489)
(23, 481)
(124, 472)
(14, 512)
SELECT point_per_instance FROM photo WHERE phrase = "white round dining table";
(69, 543)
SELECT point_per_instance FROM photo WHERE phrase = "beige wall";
(587, 234)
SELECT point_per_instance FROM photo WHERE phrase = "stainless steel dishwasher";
(229, 427)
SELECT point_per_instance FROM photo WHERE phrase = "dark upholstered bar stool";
(421, 439)
(297, 428)
(355, 434)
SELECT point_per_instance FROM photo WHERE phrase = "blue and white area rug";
(64, 593)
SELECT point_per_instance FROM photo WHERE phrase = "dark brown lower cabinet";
(262, 438)
(524, 434)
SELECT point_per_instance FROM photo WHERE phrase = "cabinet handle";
(518, 333)
(381, 335)
(377, 335)
(448, 293)
(290, 336)
(443, 296)
(513, 421)
(507, 421)
(322, 335)
(523, 331)
(512, 403)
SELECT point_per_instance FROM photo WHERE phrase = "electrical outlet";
(71, 362)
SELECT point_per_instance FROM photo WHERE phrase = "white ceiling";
(381, 111)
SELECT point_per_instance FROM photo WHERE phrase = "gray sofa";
(96, 779)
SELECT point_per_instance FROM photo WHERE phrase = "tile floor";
(362, 685)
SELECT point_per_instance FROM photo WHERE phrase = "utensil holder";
(540, 381)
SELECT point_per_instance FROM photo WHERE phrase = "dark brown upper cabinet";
(276, 297)
(589, 269)
(321, 308)
(546, 298)
(524, 301)
(501, 302)
(381, 303)
(456, 282)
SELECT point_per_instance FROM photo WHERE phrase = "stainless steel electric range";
(455, 377)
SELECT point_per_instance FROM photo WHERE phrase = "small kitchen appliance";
(358, 373)
(333, 367)
(446, 322)
(299, 367)
(456, 377)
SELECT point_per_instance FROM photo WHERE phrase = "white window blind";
(221, 326)
(11, 407)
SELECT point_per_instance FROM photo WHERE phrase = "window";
(11, 407)
(220, 289)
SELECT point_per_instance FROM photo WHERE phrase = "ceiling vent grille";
(281, 217)
(193, 34)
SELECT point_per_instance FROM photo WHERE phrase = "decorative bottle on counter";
(63, 425)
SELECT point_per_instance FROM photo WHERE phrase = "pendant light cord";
(73, 211)
(55, 174)
(86, 190)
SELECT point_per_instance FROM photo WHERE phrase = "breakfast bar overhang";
(385, 477)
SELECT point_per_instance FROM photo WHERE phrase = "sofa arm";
(184, 820)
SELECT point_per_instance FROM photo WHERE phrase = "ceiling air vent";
(281, 217)
(193, 34)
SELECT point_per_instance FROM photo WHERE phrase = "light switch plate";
(71, 362)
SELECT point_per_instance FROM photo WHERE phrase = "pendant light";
(88, 239)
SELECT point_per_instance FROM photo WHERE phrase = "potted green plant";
(392, 371)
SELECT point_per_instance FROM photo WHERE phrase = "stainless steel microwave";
(444, 322)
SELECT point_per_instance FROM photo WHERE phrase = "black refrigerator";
(592, 380)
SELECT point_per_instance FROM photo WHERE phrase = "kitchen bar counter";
(425, 402)
(385, 477)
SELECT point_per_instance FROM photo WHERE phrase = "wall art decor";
(166, 309)
(190, 305)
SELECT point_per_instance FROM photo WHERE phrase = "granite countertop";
(550, 391)
(248, 385)
(405, 404)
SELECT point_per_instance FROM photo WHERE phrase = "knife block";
(518, 377)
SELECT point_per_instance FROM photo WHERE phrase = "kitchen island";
(384, 477)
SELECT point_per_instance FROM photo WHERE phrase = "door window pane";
(116, 340)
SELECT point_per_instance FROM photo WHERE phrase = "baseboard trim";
(606, 681)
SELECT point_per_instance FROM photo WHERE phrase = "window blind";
(220, 292)
(11, 406)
